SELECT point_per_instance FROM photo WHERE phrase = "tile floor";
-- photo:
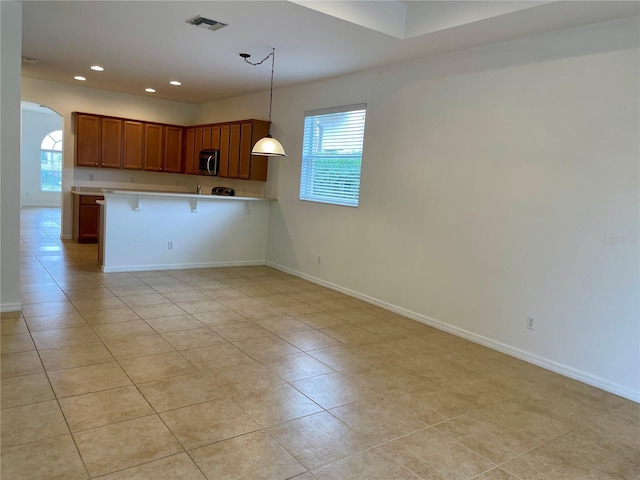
(249, 373)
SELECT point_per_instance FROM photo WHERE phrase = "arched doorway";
(40, 157)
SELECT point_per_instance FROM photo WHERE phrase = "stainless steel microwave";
(209, 162)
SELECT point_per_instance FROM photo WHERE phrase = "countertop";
(159, 193)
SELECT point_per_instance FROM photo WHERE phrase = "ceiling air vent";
(30, 60)
(207, 23)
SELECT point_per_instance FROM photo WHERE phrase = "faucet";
(199, 190)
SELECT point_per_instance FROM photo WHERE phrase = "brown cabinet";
(111, 143)
(86, 218)
(87, 140)
(133, 134)
(240, 163)
(172, 149)
(122, 143)
(153, 141)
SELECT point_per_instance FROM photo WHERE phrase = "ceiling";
(148, 43)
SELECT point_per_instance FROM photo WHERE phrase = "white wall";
(36, 126)
(221, 232)
(497, 183)
(10, 52)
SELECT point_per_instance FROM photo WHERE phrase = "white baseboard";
(10, 307)
(181, 266)
(529, 357)
(66, 237)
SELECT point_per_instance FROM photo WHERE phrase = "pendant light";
(267, 146)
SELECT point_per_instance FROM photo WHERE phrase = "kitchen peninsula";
(142, 230)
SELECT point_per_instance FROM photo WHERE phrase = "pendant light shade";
(267, 146)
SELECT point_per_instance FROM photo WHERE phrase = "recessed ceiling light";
(79, 77)
(150, 90)
(97, 68)
(175, 82)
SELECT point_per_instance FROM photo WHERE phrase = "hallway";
(251, 373)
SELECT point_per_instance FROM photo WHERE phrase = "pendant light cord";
(273, 61)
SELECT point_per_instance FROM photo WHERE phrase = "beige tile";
(283, 324)
(496, 474)
(318, 439)
(145, 300)
(321, 320)
(489, 440)
(23, 363)
(245, 377)
(546, 462)
(255, 455)
(295, 308)
(65, 337)
(209, 422)
(221, 316)
(47, 308)
(122, 330)
(241, 331)
(125, 444)
(92, 378)
(199, 306)
(432, 455)
(351, 334)
(24, 390)
(74, 356)
(620, 425)
(309, 340)
(296, 367)
(51, 459)
(29, 423)
(220, 355)
(13, 325)
(356, 315)
(129, 290)
(88, 293)
(530, 420)
(368, 464)
(587, 446)
(186, 296)
(276, 404)
(103, 408)
(379, 419)
(180, 391)
(95, 304)
(266, 347)
(330, 390)
(174, 323)
(20, 342)
(198, 337)
(174, 467)
(155, 311)
(114, 315)
(55, 322)
(137, 346)
(156, 367)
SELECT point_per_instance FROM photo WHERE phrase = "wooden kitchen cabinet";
(111, 143)
(87, 140)
(153, 140)
(133, 143)
(172, 149)
(189, 148)
(86, 218)
(236, 141)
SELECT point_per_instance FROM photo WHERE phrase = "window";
(51, 162)
(332, 155)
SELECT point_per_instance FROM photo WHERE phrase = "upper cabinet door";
(87, 139)
(189, 145)
(111, 143)
(152, 147)
(133, 134)
(234, 151)
(173, 149)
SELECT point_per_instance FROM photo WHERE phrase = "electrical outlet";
(91, 176)
(170, 245)
(531, 323)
